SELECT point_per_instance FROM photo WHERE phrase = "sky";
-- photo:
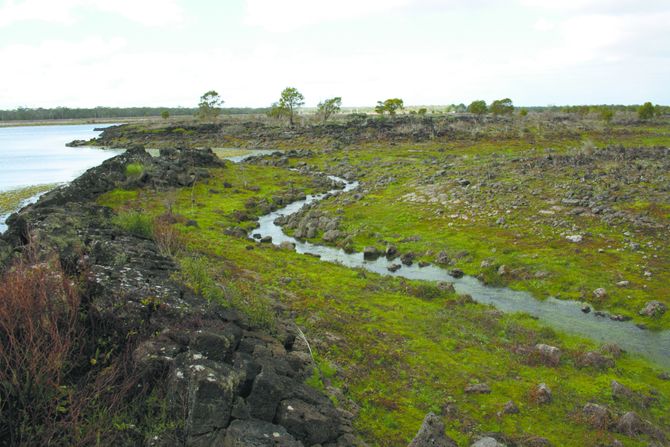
(87, 53)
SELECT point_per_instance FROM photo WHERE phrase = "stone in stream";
(391, 251)
(371, 253)
(456, 273)
(266, 239)
(394, 268)
(586, 308)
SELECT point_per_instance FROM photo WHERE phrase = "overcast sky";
(82, 53)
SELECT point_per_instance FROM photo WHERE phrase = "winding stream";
(562, 315)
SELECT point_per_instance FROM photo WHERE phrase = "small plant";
(136, 223)
(646, 111)
(165, 114)
(134, 170)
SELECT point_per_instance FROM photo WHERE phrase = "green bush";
(135, 222)
(134, 170)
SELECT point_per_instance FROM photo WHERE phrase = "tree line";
(291, 100)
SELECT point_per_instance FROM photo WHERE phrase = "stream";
(562, 315)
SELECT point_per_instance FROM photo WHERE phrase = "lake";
(37, 155)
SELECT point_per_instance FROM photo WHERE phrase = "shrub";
(39, 316)
(134, 170)
(478, 107)
(167, 237)
(136, 223)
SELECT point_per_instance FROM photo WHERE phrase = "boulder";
(255, 433)
(595, 360)
(371, 253)
(306, 422)
(653, 309)
(542, 394)
(431, 434)
(550, 355)
(597, 416)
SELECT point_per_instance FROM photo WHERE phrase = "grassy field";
(391, 350)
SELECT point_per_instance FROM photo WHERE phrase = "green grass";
(134, 169)
(399, 348)
(11, 200)
(135, 222)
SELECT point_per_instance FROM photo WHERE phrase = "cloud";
(287, 15)
(144, 12)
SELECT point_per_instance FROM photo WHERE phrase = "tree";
(606, 114)
(391, 105)
(329, 107)
(478, 107)
(502, 107)
(422, 111)
(523, 112)
(646, 111)
(209, 106)
(165, 114)
(290, 100)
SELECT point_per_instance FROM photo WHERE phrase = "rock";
(443, 258)
(306, 422)
(446, 286)
(510, 408)
(456, 273)
(600, 293)
(586, 308)
(630, 424)
(394, 268)
(542, 394)
(576, 238)
(391, 251)
(287, 245)
(211, 391)
(487, 442)
(423, 264)
(254, 433)
(331, 235)
(595, 360)
(266, 239)
(267, 391)
(500, 221)
(407, 258)
(597, 416)
(623, 283)
(214, 346)
(371, 253)
(503, 270)
(550, 355)
(431, 434)
(478, 388)
(653, 309)
(621, 392)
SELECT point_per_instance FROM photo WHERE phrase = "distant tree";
(329, 107)
(390, 106)
(165, 114)
(606, 114)
(460, 108)
(523, 112)
(646, 111)
(422, 111)
(209, 106)
(478, 107)
(290, 100)
(502, 107)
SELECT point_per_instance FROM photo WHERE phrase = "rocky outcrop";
(227, 383)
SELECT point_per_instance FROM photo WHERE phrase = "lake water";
(37, 155)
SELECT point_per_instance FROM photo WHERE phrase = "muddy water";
(562, 315)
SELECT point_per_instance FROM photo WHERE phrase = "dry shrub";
(50, 393)
(39, 327)
(168, 238)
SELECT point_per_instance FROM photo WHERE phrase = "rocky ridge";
(228, 384)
